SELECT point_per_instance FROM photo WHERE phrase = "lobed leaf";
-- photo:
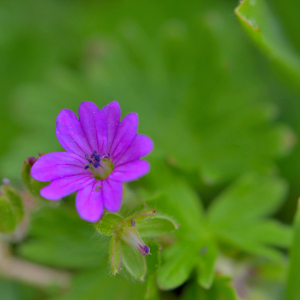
(206, 265)
(221, 290)
(258, 21)
(178, 263)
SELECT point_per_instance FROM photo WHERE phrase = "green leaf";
(15, 200)
(249, 198)
(108, 223)
(115, 254)
(221, 290)
(97, 284)
(7, 217)
(59, 238)
(153, 260)
(133, 261)
(293, 276)
(155, 226)
(257, 19)
(206, 265)
(177, 200)
(10, 290)
(238, 215)
(152, 292)
(178, 262)
(169, 64)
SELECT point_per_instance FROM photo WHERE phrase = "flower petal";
(140, 146)
(70, 133)
(112, 192)
(89, 203)
(125, 134)
(56, 165)
(130, 171)
(62, 187)
(112, 113)
(94, 126)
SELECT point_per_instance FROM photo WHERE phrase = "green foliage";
(95, 285)
(221, 290)
(239, 215)
(17, 291)
(169, 65)
(7, 217)
(59, 238)
(262, 26)
(178, 262)
(214, 111)
(153, 260)
(206, 265)
(293, 288)
(15, 201)
(108, 223)
(11, 209)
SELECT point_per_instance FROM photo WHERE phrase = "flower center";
(100, 165)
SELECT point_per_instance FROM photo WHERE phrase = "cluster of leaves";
(206, 97)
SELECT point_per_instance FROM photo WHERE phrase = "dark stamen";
(147, 249)
(86, 167)
(96, 164)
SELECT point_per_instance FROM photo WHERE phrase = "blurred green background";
(216, 106)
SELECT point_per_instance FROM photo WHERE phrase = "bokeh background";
(217, 105)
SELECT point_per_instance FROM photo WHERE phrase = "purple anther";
(132, 223)
(88, 159)
(147, 249)
(96, 164)
(86, 167)
(97, 157)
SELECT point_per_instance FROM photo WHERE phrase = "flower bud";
(131, 236)
(32, 185)
(127, 247)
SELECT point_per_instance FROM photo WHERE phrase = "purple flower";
(102, 152)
